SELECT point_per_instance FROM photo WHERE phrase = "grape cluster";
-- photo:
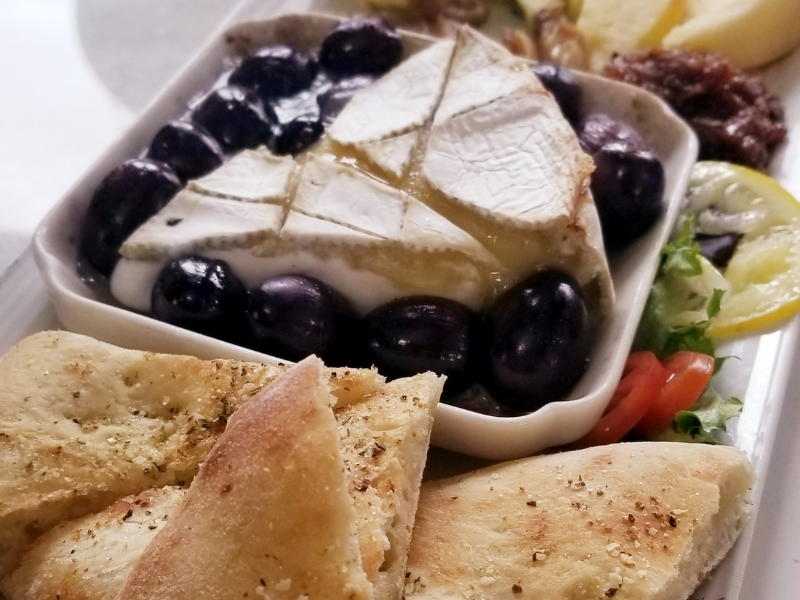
(528, 349)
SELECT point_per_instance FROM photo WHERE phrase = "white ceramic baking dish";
(94, 313)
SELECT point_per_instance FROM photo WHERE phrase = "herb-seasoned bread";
(269, 512)
(641, 521)
(92, 557)
(84, 423)
(383, 437)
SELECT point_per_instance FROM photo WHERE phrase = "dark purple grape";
(598, 129)
(560, 82)
(201, 295)
(424, 333)
(296, 136)
(187, 148)
(628, 187)
(332, 101)
(718, 248)
(477, 399)
(292, 316)
(361, 46)
(235, 117)
(276, 71)
(538, 341)
(126, 198)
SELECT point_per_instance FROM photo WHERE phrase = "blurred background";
(77, 72)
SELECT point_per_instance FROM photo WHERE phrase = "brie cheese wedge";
(342, 226)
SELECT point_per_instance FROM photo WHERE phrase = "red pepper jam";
(734, 116)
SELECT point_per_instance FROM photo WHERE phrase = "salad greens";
(686, 294)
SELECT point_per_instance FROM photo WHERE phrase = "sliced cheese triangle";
(193, 222)
(268, 513)
(482, 71)
(400, 102)
(393, 154)
(252, 175)
(514, 161)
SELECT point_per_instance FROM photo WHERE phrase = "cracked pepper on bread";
(637, 521)
(383, 432)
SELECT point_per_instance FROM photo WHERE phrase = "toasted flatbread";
(84, 423)
(644, 521)
(383, 437)
(268, 514)
(91, 558)
(385, 442)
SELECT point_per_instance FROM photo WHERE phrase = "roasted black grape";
(361, 46)
(275, 71)
(296, 136)
(292, 316)
(628, 187)
(187, 148)
(598, 129)
(477, 399)
(332, 101)
(425, 333)
(718, 248)
(126, 198)
(560, 82)
(235, 117)
(538, 341)
(201, 295)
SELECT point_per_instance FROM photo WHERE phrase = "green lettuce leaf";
(681, 304)
(681, 256)
(705, 421)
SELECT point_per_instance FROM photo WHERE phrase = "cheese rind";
(252, 175)
(338, 193)
(398, 103)
(482, 71)
(194, 222)
(514, 161)
(393, 154)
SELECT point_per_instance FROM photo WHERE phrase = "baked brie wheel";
(454, 175)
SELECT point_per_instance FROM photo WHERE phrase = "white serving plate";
(86, 311)
(765, 562)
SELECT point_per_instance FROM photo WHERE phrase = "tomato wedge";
(641, 383)
(688, 374)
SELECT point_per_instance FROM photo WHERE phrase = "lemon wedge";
(765, 284)
(764, 271)
(749, 32)
(726, 198)
(624, 25)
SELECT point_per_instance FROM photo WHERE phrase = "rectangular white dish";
(94, 313)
